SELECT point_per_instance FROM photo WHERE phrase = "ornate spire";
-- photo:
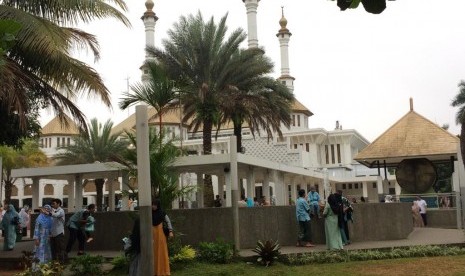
(283, 24)
(149, 12)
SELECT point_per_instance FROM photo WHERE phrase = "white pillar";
(252, 38)
(280, 188)
(71, 197)
(221, 187)
(175, 203)
(293, 188)
(227, 179)
(124, 185)
(145, 190)
(149, 18)
(200, 189)
(77, 192)
(35, 193)
(250, 183)
(379, 185)
(365, 189)
(266, 186)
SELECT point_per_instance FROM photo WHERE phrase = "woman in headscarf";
(42, 231)
(160, 248)
(10, 222)
(332, 230)
(24, 215)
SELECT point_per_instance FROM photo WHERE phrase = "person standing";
(345, 217)
(423, 205)
(314, 201)
(161, 262)
(332, 232)
(76, 225)
(303, 218)
(42, 231)
(24, 215)
(10, 223)
(57, 235)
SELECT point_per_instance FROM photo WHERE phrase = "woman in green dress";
(332, 232)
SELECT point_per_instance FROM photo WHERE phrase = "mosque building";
(325, 156)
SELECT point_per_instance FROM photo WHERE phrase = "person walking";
(332, 232)
(161, 263)
(302, 210)
(57, 235)
(423, 205)
(76, 225)
(42, 231)
(10, 223)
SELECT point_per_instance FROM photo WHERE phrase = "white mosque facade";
(325, 156)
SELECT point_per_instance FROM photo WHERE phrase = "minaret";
(251, 6)
(149, 18)
(284, 36)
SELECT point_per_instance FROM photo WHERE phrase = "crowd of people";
(337, 212)
(49, 230)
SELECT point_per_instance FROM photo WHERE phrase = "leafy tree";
(209, 68)
(40, 59)
(371, 6)
(8, 30)
(163, 179)
(158, 92)
(29, 155)
(459, 101)
(98, 145)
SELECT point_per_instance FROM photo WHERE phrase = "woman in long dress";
(42, 231)
(332, 230)
(160, 246)
(417, 220)
(10, 222)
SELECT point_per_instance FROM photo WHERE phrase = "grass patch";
(444, 266)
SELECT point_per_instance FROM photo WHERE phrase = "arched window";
(48, 189)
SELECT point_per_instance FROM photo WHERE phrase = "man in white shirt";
(422, 204)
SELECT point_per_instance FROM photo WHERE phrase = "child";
(89, 228)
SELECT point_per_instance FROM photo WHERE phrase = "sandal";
(309, 245)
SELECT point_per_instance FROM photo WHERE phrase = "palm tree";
(158, 92)
(28, 156)
(459, 101)
(214, 74)
(41, 60)
(259, 101)
(98, 145)
(162, 177)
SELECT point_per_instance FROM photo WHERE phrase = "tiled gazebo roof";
(413, 136)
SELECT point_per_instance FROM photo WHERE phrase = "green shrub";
(267, 252)
(375, 254)
(31, 267)
(220, 252)
(120, 262)
(185, 254)
(87, 265)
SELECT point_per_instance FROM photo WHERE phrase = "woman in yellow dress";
(161, 262)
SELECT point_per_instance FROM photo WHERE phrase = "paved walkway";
(419, 236)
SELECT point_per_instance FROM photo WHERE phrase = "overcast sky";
(351, 66)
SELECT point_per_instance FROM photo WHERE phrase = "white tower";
(251, 6)
(149, 18)
(284, 36)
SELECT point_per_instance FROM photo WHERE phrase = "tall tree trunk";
(99, 182)
(8, 189)
(238, 134)
(208, 197)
